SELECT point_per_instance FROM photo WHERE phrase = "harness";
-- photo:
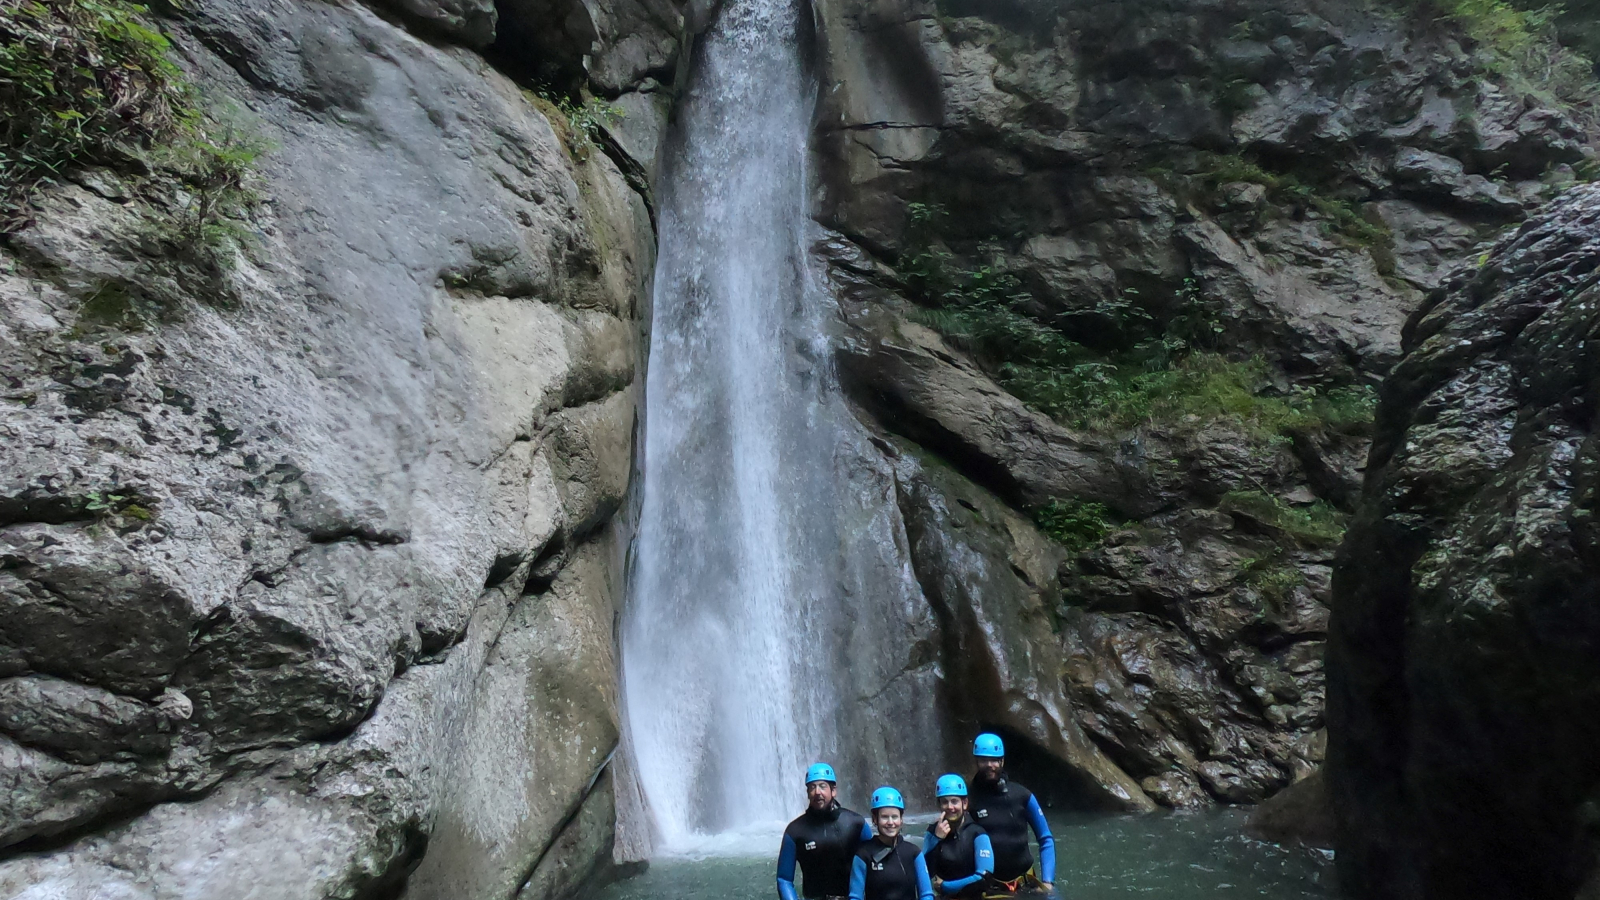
(1026, 883)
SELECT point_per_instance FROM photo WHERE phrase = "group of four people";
(978, 848)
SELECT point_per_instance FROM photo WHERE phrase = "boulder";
(1301, 813)
(1464, 642)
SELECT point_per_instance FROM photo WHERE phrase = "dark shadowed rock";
(472, 22)
(1300, 813)
(1465, 646)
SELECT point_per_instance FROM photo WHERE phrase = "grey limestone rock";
(1038, 129)
(280, 547)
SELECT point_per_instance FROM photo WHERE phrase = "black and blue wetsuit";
(889, 872)
(824, 843)
(961, 860)
(1006, 811)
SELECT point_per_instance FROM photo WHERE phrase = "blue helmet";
(887, 796)
(951, 786)
(989, 745)
(821, 772)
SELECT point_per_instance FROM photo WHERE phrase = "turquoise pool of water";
(1163, 856)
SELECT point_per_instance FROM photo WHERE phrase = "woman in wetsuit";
(956, 848)
(889, 867)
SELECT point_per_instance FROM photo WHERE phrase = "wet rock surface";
(1185, 645)
(989, 577)
(1463, 646)
(1294, 178)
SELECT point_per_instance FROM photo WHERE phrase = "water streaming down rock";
(733, 526)
(774, 617)
(771, 601)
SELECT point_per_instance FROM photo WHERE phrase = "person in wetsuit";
(959, 856)
(823, 840)
(889, 867)
(1006, 811)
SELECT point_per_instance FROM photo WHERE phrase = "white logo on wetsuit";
(981, 813)
(984, 853)
(877, 867)
(811, 845)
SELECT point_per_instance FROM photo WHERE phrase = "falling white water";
(726, 696)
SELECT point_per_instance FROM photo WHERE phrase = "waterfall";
(725, 693)
(773, 617)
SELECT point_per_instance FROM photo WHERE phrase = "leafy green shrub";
(1171, 376)
(80, 81)
(1578, 26)
(114, 504)
(1343, 217)
(579, 122)
(89, 82)
(1077, 524)
(213, 164)
(1078, 388)
(1521, 40)
(1317, 525)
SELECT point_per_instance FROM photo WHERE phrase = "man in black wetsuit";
(1007, 811)
(823, 840)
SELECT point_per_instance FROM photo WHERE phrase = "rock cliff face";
(1129, 270)
(1462, 664)
(309, 568)
(311, 559)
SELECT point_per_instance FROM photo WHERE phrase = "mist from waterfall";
(726, 695)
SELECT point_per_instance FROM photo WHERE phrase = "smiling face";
(887, 820)
(820, 794)
(989, 768)
(953, 808)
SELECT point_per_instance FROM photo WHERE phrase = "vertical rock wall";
(309, 569)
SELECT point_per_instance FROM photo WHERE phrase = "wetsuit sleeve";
(1047, 843)
(786, 870)
(929, 841)
(985, 853)
(858, 878)
(924, 883)
(866, 831)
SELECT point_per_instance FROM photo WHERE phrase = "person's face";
(953, 807)
(888, 821)
(819, 795)
(989, 768)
